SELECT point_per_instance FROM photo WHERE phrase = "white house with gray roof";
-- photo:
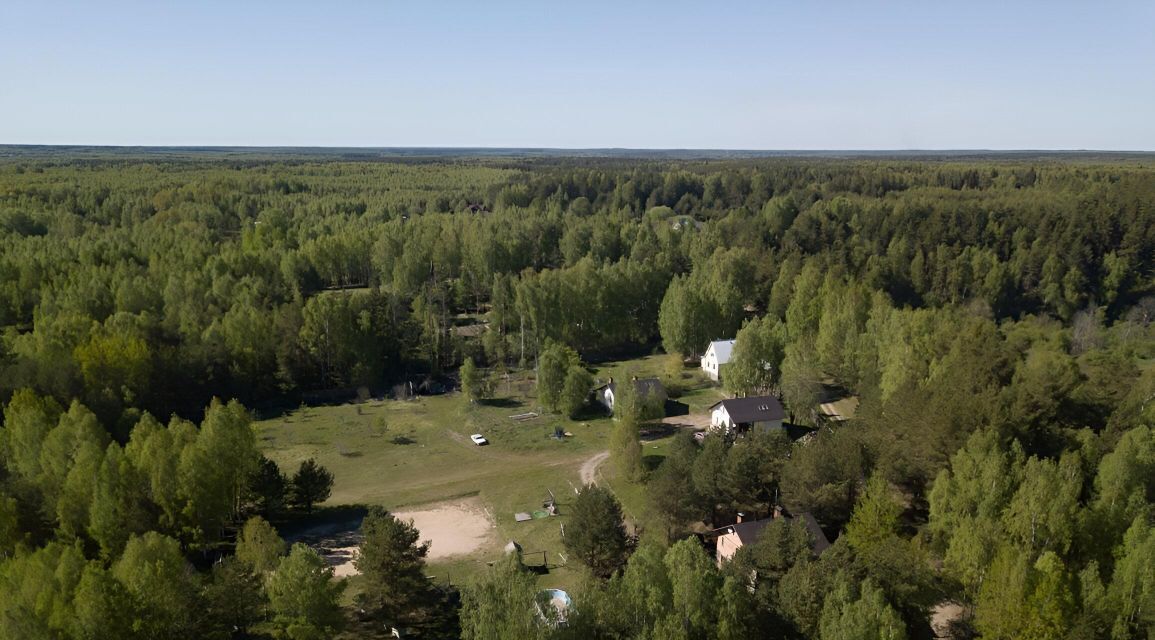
(717, 354)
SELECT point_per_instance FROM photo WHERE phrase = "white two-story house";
(717, 354)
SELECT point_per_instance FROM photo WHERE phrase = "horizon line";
(592, 148)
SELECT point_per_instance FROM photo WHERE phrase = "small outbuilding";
(651, 394)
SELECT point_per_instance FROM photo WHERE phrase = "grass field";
(403, 454)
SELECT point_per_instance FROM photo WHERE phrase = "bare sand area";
(453, 528)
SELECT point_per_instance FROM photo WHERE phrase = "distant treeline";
(161, 284)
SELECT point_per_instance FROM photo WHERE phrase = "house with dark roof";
(740, 415)
(741, 533)
(651, 394)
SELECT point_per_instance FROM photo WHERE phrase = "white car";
(478, 439)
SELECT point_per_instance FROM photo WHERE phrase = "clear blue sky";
(739, 75)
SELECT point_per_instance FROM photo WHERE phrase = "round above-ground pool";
(557, 600)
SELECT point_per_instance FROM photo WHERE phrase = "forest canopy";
(992, 316)
(268, 280)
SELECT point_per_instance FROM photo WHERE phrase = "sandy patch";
(943, 617)
(342, 559)
(452, 528)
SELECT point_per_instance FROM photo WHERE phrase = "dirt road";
(590, 468)
(695, 421)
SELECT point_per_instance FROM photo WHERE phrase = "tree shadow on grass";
(652, 462)
(656, 431)
(501, 403)
(322, 521)
(591, 411)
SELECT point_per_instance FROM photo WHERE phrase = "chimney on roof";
(741, 517)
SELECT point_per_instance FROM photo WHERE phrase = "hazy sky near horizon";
(732, 75)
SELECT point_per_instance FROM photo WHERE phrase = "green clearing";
(693, 389)
(401, 454)
(404, 454)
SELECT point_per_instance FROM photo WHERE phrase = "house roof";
(820, 541)
(722, 350)
(838, 410)
(683, 221)
(748, 532)
(753, 409)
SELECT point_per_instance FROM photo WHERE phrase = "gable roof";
(753, 409)
(748, 532)
(722, 350)
(820, 541)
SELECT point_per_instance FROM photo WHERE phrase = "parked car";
(478, 439)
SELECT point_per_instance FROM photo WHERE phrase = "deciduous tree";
(575, 395)
(304, 597)
(166, 587)
(500, 604)
(553, 366)
(259, 547)
(865, 617)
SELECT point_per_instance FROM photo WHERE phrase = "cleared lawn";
(408, 454)
(694, 390)
(405, 455)
(398, 453)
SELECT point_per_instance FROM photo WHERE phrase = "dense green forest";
(994, 317)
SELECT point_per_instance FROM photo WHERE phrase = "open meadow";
(415, 458)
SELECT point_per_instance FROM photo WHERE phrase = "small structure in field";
(683, 223)
(717, 355)
(651, 394)
(741, 415)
